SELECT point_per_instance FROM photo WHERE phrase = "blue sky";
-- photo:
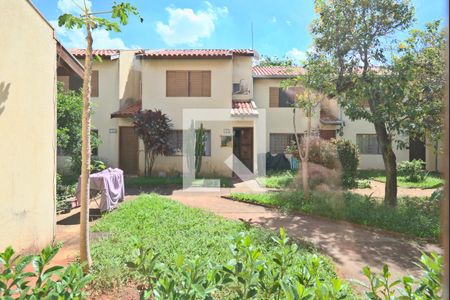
(280, 27)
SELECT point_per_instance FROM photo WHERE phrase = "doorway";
(243, 145)
(128, 151)
(417, 149)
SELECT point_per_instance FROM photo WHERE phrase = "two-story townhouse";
(242, 107)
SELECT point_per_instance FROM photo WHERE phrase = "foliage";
(43, 282)
(413, 216)
(69, 112)
(167, 181)
(437, 195)
(153, 127)
(275, 61)
(362, 184)
(412, 170)
(278, 180)
(200, 144)
(431, 181)
(98, 166)
(249, 274)
(348, 155)
(426, 287)
(398, 89)
(173, 230)
(321, 152)
(63, 193)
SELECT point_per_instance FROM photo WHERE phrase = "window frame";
(291, 139)
(360, 143)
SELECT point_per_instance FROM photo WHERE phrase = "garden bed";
(172, 229)
(418, 217)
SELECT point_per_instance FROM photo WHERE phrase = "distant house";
(172, 80)
(30, 57)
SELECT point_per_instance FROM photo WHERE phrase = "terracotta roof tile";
(276, 71)
(99, 52)
(127, 112)
(198, 53)
(244, 109)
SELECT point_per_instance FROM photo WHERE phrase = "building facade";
(243, 108)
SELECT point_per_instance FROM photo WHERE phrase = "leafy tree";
(276, 61)
(394, 90)
(90, 20)
(69, 114)
(153, 127)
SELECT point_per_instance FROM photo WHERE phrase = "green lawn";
(277, 180)
(158, 181)
(170, 228)
(432, 180)
(419, 217)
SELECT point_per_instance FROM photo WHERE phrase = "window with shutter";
(274, 96)
(188, 83)
(175, 141)
(94, 84)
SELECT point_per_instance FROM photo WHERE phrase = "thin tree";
(397, 88)
(90, 20)
(307, 100)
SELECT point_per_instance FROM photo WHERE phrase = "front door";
(243, 146)
(128, 151)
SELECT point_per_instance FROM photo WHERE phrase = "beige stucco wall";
(242, 70)
(369, 161)
(106, 103)
(27, 127)
(279, 119)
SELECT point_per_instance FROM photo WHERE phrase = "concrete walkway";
(350, 246)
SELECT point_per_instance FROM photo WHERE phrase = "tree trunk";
(305, 178)
(390, 164)
(85, 256)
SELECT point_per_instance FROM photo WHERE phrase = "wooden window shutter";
(206, 87)
(274, 96)
(177, 84)
(94, 84)
(195, 83)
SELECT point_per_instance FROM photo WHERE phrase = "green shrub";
(426, 287)
(412, 170)
(63, 193)
(250, 274)
(54, 282)
(437, 195)
(348, 155)
(98, 166)
(412, 215)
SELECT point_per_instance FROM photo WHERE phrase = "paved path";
(350, 246)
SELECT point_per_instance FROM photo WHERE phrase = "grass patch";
(432, 180)
(277, 180)
(419, 217)
(170, 228)
(158, 181)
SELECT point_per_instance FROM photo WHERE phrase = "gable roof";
(196, 53)
(276, 71)
(244, 108)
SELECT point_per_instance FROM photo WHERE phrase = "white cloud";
(75, 38)
(187, 27)
(289, 23)
(297, 55)
(72, 6)
(274, 19)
